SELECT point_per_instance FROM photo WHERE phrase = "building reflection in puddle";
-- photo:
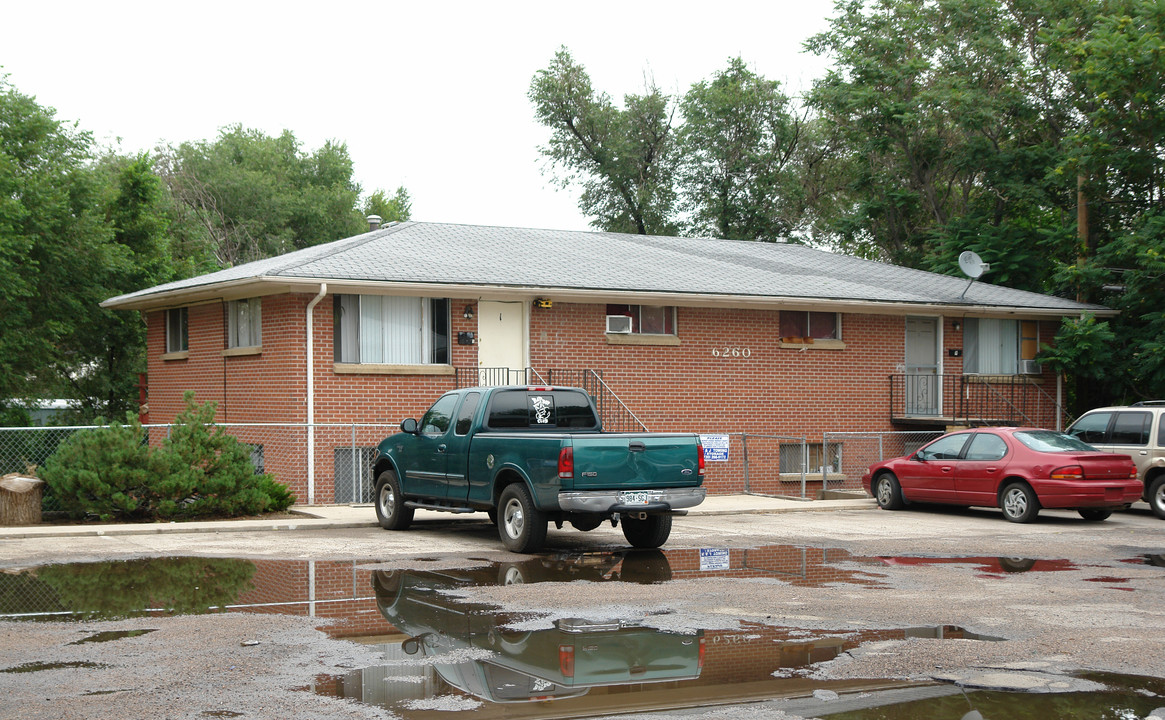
(451, 651)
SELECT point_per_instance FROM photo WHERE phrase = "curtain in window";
(391, 330)
(991, 346)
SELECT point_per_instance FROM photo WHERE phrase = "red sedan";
(1018, 470)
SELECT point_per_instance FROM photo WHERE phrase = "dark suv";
(1138, 431)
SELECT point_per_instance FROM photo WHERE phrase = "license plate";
(639, 497)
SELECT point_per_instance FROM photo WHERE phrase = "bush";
(109, 472)
(199, 470)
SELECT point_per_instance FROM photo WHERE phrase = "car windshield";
(1049, 441)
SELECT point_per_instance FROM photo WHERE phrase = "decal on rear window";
(541, 407)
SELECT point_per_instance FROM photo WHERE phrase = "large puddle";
(443, 652)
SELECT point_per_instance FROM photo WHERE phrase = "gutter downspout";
(311, 395)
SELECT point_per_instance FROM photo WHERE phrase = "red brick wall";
(693, 386)
(784, 391)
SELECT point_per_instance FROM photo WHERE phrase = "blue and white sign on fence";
(715, 447)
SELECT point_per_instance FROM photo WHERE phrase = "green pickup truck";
(533, 455)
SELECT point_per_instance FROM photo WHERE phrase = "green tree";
(949, 118)
(1114, 63)
(739, 146)
(397, 208)
(247, 195)
(54, 241)
(624, 159)
(104, 355)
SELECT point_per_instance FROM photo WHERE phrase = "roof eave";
(270, 285)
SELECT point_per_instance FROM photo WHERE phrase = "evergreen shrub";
(114, 474)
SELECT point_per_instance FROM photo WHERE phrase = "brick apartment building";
(671, 334)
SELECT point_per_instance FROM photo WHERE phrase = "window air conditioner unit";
(1029, 367)
(618, 324)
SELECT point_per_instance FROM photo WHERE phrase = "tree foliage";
(738, 147)
(247, 195)
(397, 208)
(973, 124)
(623, 158)
(73, 232)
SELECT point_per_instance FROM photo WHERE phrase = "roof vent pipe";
(374, 222)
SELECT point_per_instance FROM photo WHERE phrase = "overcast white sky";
(429, 95)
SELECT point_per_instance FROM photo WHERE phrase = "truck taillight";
(1068, 472)
(700, 662)
(700, 457)
(566, 462)
(566, 660)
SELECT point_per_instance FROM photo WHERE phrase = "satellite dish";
(972, 266)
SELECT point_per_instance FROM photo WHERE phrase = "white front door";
(923, 395)
(501, 342)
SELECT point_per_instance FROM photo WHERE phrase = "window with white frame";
(800, 325)
(244, 323)
(647, 319)
(177, 334)
(995, 346)
(385, 329)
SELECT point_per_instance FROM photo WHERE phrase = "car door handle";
(990, 469)
(947, 468)
(636, 446)
(441, 448)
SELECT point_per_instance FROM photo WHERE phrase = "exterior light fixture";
(468, 314)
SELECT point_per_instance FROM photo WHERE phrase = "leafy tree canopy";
(247, 195)
(624, 158)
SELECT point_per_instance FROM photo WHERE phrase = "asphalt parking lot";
(1062, 595)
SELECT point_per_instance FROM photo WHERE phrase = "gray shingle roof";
(473, 255)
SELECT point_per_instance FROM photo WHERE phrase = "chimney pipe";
(373, 222)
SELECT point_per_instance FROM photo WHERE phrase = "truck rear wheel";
(391, 512)
(521, 526)
(648, 533)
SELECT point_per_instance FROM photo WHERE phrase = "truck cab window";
(436, 421)
(465, 414)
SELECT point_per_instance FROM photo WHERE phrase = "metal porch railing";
(974, 400)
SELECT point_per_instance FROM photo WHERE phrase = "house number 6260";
(727, 352)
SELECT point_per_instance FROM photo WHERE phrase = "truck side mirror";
(409, 426)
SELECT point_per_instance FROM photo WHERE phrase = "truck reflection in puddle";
(471, 647)
(452, 651)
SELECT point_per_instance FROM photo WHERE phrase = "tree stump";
(20, 497)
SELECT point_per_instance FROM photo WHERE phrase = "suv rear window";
(541, 409)
(1131, 428)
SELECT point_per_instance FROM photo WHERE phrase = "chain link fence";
(332, 464)
(850, 453)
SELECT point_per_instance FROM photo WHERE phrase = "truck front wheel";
(521, 526)
(650, 532)
(391, 512)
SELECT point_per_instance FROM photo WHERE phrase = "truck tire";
(521, 526)
(391, 512)
(649, 533)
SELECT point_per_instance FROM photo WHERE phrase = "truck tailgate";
(630, 460)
